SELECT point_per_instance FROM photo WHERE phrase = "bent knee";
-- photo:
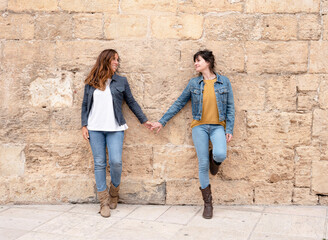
(219, 156)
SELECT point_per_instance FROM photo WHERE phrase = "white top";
(101, 116)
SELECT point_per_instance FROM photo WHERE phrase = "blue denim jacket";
(194, 91)
(120, 90)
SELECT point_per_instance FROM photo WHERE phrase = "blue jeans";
(201, 135)
(114, 142)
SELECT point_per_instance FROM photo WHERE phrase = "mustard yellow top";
(210, 113)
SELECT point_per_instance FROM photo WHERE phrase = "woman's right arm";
(176, 107)
(84, 114)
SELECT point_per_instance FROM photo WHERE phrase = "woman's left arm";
(134, 106)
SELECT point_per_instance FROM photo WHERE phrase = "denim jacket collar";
(218, 78)
(115, 77)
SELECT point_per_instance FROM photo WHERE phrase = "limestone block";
(17, 26)
(288, 6)
(303, 196)
(12, 161)
(3, 4)
(32, 5)
(323, 200)
(88, 26)
(274, 129)
(281, 93)
(51, 92)
(125, 26)
(64, 137)
(31, 53)
(77, 189)
(307, 82)
(318, 53)
(323, 93)
(183, 191)
(66, 118)
(232, 27)
(232, 192)
(39, 159)
(142, 191)
(230, 55)
(53, 26)
(147, 6)
(309, 27)
(239, 131)
(35, 188)
(325, 25)
(137, 161)
(274, 193)
(199, 6)
(187, 51)
(279, 27)
(320, 177)
(306, 102)
(268, 57)
(184, 27)
(175, 162)
(320, 125)
(4, 191)
(245, 85)
(110, 6)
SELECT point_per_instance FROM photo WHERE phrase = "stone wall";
(274, 52)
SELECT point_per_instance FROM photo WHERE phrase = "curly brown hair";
(102, 70)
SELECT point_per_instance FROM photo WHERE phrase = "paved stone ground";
(81, 221)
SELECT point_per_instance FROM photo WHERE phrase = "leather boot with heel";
(104, 203)
(208, 207)
(113, 193)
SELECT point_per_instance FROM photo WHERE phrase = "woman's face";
(201, 64)
(114, 63)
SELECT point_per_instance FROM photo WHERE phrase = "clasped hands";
(153, 126)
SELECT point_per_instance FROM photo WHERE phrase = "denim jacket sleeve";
(133, 105)
(84, 109)
(230, 118)
(177, 105)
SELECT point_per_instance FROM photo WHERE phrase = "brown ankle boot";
(214, 168)
(113, 193)
(208, 207)
(104, 203)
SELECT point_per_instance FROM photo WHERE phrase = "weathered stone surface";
(184, 27)
(77, 189)
(279, 27)
(319, 177)
(16, 26)
(53, 26)
(125, 26)
(323, 93)
(289, 129)
(142, 191)
(303, 196)
(309, 27)
(232, 27)
(52, 92)
(32, 5)
(3, 4)
(318, 53)
(148, 6)
(137, 161)
(265, 57)
(323, 200)
(303, 162)
(306, 102)
(274, 193)
(4, 191)
(281, 93)
(199, 6)
(307, 82)
(170, 160)
(12, 161)
(320, 125)
(183, 192)
(88, 26)
(89, 6)
(289, 6)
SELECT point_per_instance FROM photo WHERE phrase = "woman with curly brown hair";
(103, 123)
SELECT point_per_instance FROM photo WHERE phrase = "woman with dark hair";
(103, 123)
(213, 114)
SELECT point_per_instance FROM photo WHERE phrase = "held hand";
(157, 125)
(228, 137)
(148, 125)
(85, 133)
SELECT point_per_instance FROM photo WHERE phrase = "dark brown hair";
(208, 56)
(102, 70)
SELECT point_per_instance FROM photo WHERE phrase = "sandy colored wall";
(274, 52)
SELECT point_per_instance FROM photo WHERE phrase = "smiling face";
(201, 65)
(114, 63)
